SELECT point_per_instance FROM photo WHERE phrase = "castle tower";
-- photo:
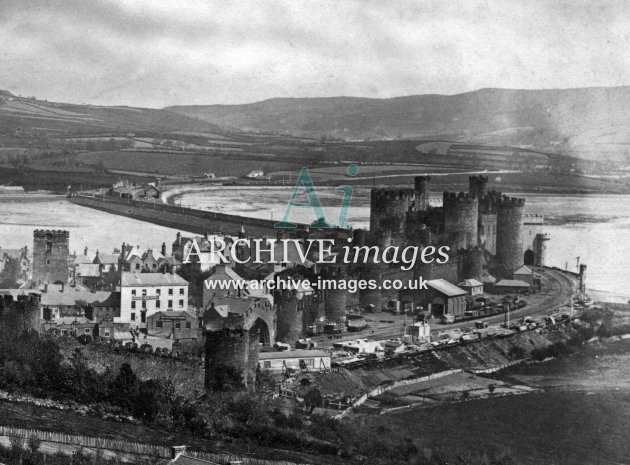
(50, 255)
(478, 186)
(510, 234)
(335, 300)
(422, 185)
(369, 297)
(540, 249)
(227, 364)
(289, 316)
(472, 264)
(388, 212)
(461, 219)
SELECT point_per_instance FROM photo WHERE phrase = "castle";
(488, 233)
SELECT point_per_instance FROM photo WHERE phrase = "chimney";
(179, 239)
(164, 248)
(176, 451)
(85, 251)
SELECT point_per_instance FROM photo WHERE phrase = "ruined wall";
(50, 255)
(461, 219)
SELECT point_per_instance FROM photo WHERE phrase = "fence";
(127, 447)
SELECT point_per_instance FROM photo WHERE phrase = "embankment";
(481, 356)
(185, 219)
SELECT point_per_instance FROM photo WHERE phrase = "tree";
(312, 399)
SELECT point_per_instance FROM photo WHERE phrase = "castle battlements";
(459, 197)
(51, 233)
(509, 202)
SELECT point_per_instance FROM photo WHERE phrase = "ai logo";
(305, 180)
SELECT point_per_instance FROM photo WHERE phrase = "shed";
(472, 286)
(511, 286)
(524, 274)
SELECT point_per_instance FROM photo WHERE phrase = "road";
(557, 291)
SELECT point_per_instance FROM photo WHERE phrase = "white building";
(256, 174)
(143, 294)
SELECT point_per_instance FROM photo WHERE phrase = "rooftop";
(151, 279)
(511, 283)
(446, 288)
(523, 270)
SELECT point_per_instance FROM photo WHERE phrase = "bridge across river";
(186, 219)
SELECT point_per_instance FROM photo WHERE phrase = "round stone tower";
(510, 234)
(289, 316)
(478, 186)
(336, 300)
(369, 297)
(472, 264)
(422, 186)
(359, 237)
(461, 219)
(388, 211)
(227, 363)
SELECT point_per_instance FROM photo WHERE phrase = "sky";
(155, 53)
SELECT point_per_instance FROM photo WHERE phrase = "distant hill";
(19, 114)
(591, 122)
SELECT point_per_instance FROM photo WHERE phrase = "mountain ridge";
(572, 119)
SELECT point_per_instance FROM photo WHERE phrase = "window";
(133, 292)
(144, 304)
(158, 291)
(88, 331)
(267, 364)
(158, 324)
(170, 291)
(106, 333)
(137, 266)
(181, 302)
(48, 262)
(144, 292)
(133, 304)
(178, 325)
(170, 304)
(181, 291)
(133, 316)
(157, 304)
(188, 325)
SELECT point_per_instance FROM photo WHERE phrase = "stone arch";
(529, 257)
(261, 326)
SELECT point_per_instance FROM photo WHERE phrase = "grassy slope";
(552, 427)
